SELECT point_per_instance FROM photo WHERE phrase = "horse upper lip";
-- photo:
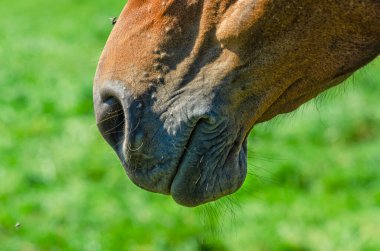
(184, 152)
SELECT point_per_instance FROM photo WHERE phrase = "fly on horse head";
(180, 84)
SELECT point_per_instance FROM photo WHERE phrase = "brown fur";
(302, 47)
(260, 58)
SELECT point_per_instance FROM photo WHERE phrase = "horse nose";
(118, 117)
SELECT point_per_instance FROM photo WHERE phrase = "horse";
(180, 84)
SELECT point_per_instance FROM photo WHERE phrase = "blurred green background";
(314, 180)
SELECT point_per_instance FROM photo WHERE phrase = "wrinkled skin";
(180, 84)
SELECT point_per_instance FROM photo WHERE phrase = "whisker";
(108, 118)
(138, 148)
(113, 128)
(117, 144)
(113, 132)
(135, 128)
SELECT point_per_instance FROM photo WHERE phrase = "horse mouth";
(209, 167)
(194, 158)
(191, 187)
(207, 173)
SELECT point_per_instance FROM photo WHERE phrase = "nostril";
(111, 122)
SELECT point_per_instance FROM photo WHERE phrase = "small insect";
(113, 20)
(18, 225)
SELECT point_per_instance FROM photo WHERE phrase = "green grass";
(314, 180)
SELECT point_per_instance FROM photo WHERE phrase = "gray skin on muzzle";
(181, 83)
(186, 146)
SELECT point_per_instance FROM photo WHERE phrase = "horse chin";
(205, 181)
